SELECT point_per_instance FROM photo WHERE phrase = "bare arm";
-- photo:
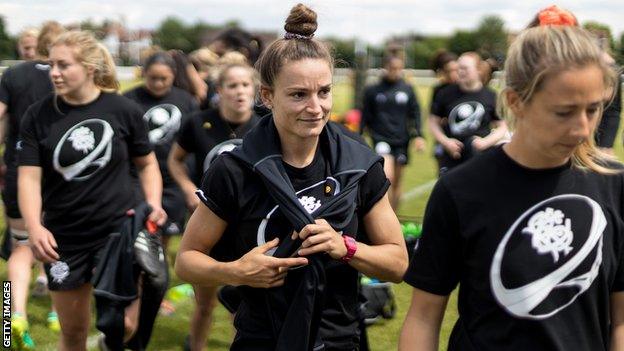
(180, 173)
(499, 130)
(30, 203)
(3, 121)
(385, 259)
(451, 145)
(151, 182)
(421, 329)
(617, 321)
(193, 263)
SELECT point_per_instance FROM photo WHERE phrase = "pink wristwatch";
(351, 248)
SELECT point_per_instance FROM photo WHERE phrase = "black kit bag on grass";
(378, 301)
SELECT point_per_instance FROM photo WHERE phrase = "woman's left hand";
(158, 215)
(321, 237)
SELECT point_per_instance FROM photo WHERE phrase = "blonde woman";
(76, 147)
(531, 231)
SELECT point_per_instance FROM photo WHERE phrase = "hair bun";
(301, 21)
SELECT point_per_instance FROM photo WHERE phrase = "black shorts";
(607, 130)
(9, 194)
(74, 268)
(399, 152)
(175, 207)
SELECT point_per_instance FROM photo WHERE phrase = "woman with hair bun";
(531, 231)
(74, 160)
(279, 215)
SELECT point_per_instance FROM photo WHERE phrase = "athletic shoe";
(53, 322)
(20, 335)
(41, 287)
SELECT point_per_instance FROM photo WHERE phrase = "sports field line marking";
(419, 190)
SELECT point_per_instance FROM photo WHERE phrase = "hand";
(258, 270)
(453, 147)
(43, 244)
(321, 237)
(192, 201)
(479, 144)
(420, 144)
(158, 215)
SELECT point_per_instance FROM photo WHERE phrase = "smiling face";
(159, 79)
(301, 97)
(67, 73)
(561, 115)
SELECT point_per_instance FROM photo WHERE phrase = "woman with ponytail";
(74, 160)
(279, 215)
(531, 231)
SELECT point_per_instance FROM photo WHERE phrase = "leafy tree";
(173, 34)
(463, 41)
(602, 31)
(7, 43)
(492, 37)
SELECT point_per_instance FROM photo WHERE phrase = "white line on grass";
(419, 190)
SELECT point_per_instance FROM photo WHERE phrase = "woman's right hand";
(43, 244)
(258, 270)
(453, 147)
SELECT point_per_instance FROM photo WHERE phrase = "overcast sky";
(370, 20)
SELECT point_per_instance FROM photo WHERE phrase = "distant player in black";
(391, 114)
(205, 135)
(21, 86)
(293, 164)
(76, 146)
(610, 121)
(444, 64)
(166, 108)
(531, 231)
(463, 117)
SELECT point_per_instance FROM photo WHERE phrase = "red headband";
(556, 16)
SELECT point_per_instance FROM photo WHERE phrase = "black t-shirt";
(84, 152)
(536, 253)
(237, 195)
(205, 130)
(391, 112)
(164, 116)
(21, 86)
(465, 114)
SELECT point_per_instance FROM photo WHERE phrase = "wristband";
(351, 246)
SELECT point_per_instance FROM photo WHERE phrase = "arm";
(29, 198)
(451, 145)
(200, 88)
(3, 121)
(385, 259)
(179, 172)
(151, 182)
(421, 329)
(617, 321)
(415, 122)
(203, 231)
(499, 130)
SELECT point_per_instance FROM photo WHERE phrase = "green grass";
(170, 331)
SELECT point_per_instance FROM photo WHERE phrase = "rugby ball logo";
(163, 121)
(227, 145)
(466, 118)
(308, 199)
(83, 150)
(549, 256)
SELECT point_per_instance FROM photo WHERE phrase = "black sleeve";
(5, 89)
(28, 154)
(138, 140)
(618, 282)
(437, 105)
(436, 262)
(368, 104)
(373, 187)
(413, 114)
(218, 189)
(186, 137)
(495, 116)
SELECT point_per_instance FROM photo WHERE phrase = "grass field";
(170, 331)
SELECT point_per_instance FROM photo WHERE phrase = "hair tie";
(290, 35)
(556, 16)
